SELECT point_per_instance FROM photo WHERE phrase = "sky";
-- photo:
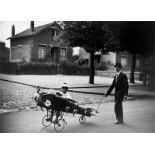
(5, 28)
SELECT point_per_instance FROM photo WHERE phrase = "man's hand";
(59, 94)
(106, 95)
(125, 97)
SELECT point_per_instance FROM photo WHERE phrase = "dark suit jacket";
(121, 86)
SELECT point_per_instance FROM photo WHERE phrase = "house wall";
(109, 59)
(21, 49)
(27, 48)
(125, 58)
(43, 38)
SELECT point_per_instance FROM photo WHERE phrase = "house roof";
(37, 30)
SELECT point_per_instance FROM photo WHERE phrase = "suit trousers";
(118, 108)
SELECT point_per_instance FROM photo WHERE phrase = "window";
(19, 48)
(124, 60)
(63, 52)
(19, 52)
(41, 52)
(54, 33)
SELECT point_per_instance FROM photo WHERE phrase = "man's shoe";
(116, 122)
(119, 122)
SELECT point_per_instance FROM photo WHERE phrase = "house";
(109, 60)
(84, 57)
(4, 52)
(142, 63)
(37, 44)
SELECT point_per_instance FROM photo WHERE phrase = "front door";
(55, 54)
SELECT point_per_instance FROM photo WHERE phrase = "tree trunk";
(133, 67)
(92, 69)
(153, 73)
(153, 62)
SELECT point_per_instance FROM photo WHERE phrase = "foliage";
(8, 67)
(68, 68)
(75, 58)
(137, 37)
(37, 68)
(90, 35)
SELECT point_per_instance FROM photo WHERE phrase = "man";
(120, 83)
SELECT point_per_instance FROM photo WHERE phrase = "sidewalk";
(55, 81)
(77, 84)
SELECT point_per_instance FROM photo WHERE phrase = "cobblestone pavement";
(15, 97)
(138, 112)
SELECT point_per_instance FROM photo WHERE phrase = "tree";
(92, 36)
(137, 37)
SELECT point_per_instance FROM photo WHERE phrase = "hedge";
(8, 68)
(65, 68)
(37, 68)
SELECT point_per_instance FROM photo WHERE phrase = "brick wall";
(42, 38)
(20, 49)
(27, 48)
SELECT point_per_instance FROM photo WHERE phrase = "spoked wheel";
(82, 119)
(59, 127)
(46, 122)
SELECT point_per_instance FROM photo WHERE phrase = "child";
(63, 93)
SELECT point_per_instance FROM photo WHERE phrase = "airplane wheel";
(46, 122)
(59, 127)
(82, 119)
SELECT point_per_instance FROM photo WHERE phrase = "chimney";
(13, 30)
(32, 26)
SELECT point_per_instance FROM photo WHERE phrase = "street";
(18, 114)
(139, 117)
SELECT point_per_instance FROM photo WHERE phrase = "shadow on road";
(47, 129)
(80, 127)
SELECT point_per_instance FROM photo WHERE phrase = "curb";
(51, 88)
(75, 91)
